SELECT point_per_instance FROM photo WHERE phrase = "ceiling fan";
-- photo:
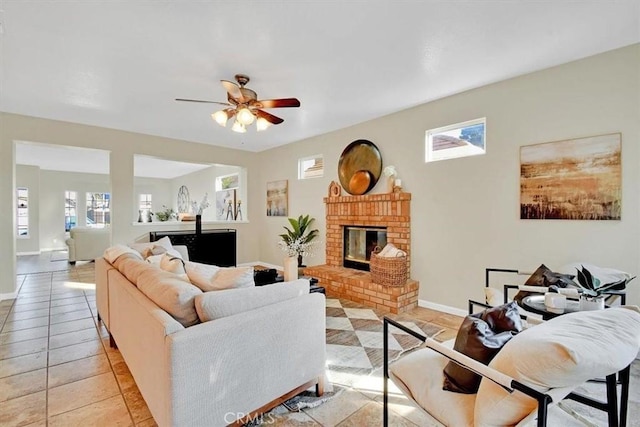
(245, 106)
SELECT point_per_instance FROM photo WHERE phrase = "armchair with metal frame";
(544, 400)
(611, 295)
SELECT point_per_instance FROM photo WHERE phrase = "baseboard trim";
(62, 248)
(442, 307)
(11, 295)
(28, 253)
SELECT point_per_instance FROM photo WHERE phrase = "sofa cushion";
(171, 293)
(215, 305)
(213, 278)
(563, 352)
(114, 252)
(131, 268)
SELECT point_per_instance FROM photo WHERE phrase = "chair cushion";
(563, 352)
(420, 375)
(480, 337)
(214, 305)
(131, 267)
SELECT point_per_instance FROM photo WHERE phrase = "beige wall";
(465, 212)
(123, 146)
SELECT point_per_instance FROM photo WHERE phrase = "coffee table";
(535, 304)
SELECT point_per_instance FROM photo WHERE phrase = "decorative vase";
(198, 224)
(588, 303)
(391, 180)
(290, 268)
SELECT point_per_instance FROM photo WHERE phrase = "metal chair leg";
(385, 363)
(612, 400)
(624, 395)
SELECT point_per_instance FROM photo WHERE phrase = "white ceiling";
(121, 64)
(86, 160)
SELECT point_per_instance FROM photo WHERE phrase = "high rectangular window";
(311, 167)
(70, 210)
(98, 209)
(23, 212)
(457, 140)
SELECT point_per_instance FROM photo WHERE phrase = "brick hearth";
(391, 210)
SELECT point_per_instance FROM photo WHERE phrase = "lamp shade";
(238, 127)
(262, 124)
(220, 117)
(245, 116)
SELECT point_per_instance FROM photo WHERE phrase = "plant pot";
(290, 268)
(588, 303)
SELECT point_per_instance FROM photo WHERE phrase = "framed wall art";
(578, 179)
(277, 198)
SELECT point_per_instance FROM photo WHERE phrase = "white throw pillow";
(563, 352)
(153, 248)
(215, 305)
(173, 265)
(213, 278)
(605, 274)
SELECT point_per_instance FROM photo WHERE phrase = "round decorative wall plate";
(359, 167)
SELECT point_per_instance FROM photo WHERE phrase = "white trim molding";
(28, 253)
(11, 295)
(442, 307)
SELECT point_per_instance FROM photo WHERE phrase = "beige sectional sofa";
(256, 345)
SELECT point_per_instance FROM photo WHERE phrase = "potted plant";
(592, 297)
(298, 240)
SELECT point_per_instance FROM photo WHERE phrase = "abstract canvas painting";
(277, 198)
(572, 179)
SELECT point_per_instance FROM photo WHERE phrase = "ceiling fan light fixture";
(238, 127)
(245, 116)
(220, 117)
(262, 124)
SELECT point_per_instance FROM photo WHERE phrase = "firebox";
(359, 242)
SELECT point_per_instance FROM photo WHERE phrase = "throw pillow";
(480, 337)
(565, 351)
(153, 248)
(213, 278)
(173, 265)
(215, 305)
(543, 276)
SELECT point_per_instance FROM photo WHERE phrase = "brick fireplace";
(390, 210)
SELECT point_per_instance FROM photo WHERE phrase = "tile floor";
(57, 369)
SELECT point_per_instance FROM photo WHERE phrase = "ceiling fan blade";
(277, 103)
(202, 101)
(269, 117)
(233, 90)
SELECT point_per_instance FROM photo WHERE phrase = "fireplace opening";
(359, 242)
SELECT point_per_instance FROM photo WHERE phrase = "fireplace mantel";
(390, 210)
